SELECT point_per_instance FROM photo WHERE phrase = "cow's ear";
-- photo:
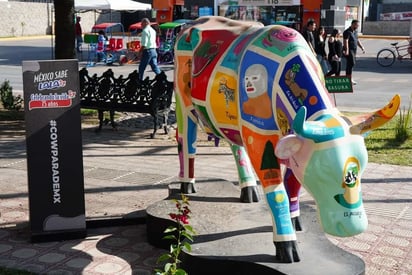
(288, 146)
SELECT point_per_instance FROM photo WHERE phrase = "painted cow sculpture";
(261, 89)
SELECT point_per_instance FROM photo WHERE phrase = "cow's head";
(328, 156)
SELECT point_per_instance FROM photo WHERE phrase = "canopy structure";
(138, 26)
(108, 27)
(110, 5)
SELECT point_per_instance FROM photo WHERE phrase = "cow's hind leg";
(247, 180)
(186, 139)
(293, 186)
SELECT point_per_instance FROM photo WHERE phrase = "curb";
(17, 38)
(388, 37)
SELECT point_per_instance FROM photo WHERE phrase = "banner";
(54, 149)
(268, 2)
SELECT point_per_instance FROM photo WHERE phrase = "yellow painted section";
(224, 96)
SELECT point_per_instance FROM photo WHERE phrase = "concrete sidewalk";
(122, 177)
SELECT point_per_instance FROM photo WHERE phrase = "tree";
(64, 29)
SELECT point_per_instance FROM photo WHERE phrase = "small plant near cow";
(8, 100)
(181, 235)
(403, 123)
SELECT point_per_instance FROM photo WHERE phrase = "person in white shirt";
(148, 53)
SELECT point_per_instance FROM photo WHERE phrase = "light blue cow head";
(328, 156)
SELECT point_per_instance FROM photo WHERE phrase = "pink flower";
(173, 216)
(184, 219)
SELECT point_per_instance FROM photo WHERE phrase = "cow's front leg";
(186, 139)
(247, 180)
(267, 168)
(284, 236)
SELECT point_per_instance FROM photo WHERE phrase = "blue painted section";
(303, 77)
(191, 136)
(250, 59)
(279, 204)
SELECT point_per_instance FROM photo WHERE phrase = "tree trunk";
(64, 29)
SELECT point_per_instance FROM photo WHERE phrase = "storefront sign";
(396, 16)
(268, 2)
(338, 84)
(54, 149)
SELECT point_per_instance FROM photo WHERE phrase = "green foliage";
(9, 101)
(384, 148)
(403, 123)
(181, 234)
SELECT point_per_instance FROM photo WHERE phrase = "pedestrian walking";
(148, 53)
(350, 45)
(308, 34)
(320, 49)
(335, 53)
(79, 35)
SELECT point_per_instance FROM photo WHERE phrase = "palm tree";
(64, 29)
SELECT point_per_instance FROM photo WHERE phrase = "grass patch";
(383, 147)
(88, 112)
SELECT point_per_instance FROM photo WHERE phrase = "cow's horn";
(363, 123)
(313, 130)
(299, 125)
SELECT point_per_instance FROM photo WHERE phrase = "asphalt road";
(376, 84)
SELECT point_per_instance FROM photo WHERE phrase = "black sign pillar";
(54, 150)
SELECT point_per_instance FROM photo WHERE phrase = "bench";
(108, 93)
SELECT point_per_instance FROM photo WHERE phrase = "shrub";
(402, 124)
(9, 101)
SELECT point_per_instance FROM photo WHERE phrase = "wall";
(386, 27)
(25, 18)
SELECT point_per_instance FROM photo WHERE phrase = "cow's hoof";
(249, 194)
(187, 188)
(296, 224)
(287, 252)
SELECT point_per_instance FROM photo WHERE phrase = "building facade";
(377, 17)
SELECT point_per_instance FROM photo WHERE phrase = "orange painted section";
(263, 158)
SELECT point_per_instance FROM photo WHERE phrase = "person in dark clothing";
(79, 33)
(308, 34)
(320, 49)
(335, 53)
(350, 45)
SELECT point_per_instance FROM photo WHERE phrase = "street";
(376, 84)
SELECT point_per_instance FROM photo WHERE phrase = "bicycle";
(386, 57)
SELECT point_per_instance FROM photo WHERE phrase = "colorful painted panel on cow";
(256, 77)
